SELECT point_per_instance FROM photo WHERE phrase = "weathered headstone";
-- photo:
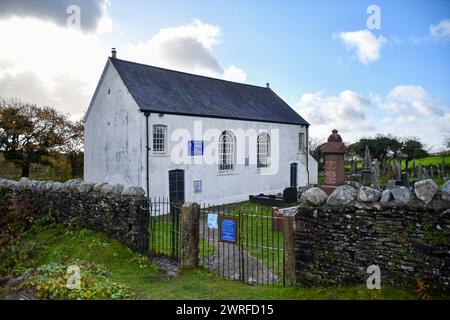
(425, 174)
(432, 172)
(413, 168)
(354, 167)
(375, 168)
(439, 171)
(404, 178)
(398, 169)
(367, 172)
(419, 172)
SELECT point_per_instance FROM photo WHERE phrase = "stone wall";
(338, 237)
(102, 207)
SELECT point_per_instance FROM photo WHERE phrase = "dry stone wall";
(407, 234)
(112, 209)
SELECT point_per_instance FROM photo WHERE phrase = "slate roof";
(167, 91)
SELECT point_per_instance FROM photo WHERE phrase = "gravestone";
(413, 168)
(419, 172)
(333, 152)
(439, 171)
(425, 174)
(367, 172)
(375, 170)
(432, 172)
(404, 179)
(398, 169)
(354, 167)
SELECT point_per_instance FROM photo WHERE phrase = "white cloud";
(366, 44)
(406, 111)
(93, 13)
(403, 98)
(49, 64)
(42, 56)
(186, 48)
(441, 31)
(346, 112)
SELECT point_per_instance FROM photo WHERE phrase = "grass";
(433, 160)
(255, 229)
(58, 244)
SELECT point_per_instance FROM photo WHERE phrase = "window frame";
(163, 138)
(301, 142)
(265, 152)
(226, 152)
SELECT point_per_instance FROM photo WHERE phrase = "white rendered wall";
(218, 188)
(112, 150)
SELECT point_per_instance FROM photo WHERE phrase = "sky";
(362, 67)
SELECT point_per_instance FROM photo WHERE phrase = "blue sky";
(398, 82)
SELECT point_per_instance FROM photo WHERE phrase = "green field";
(61, 244)
(433, 160)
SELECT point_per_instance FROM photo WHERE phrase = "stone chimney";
(268, 85)
(113, 53)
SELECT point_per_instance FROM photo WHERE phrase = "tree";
(73, 146)
(412, 148)
(380, 146)
(316, 152)
(447, 142)
(28, 133)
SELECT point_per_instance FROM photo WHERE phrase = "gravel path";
(225, 261)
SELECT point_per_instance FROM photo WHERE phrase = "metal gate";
(256, 253)
(164, 228)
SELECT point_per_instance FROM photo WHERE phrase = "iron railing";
(164, 228)
(257, 257)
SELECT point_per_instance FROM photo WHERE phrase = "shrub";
(50, 282)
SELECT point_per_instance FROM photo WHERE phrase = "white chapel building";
(192, 138)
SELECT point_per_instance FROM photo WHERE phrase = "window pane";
(159, 138)
(226, 151)
(263, 151)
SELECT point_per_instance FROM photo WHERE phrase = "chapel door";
(176, 186)
(293, 174)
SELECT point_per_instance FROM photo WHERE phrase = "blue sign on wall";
(196, 147)
(228, 229)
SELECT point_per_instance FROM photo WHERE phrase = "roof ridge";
(190, 74)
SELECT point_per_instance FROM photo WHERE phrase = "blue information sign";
(228, 229)
(195, 147)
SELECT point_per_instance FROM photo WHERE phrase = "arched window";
(226, 151)
(263, 150)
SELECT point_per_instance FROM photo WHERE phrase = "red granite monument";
(333, 152)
